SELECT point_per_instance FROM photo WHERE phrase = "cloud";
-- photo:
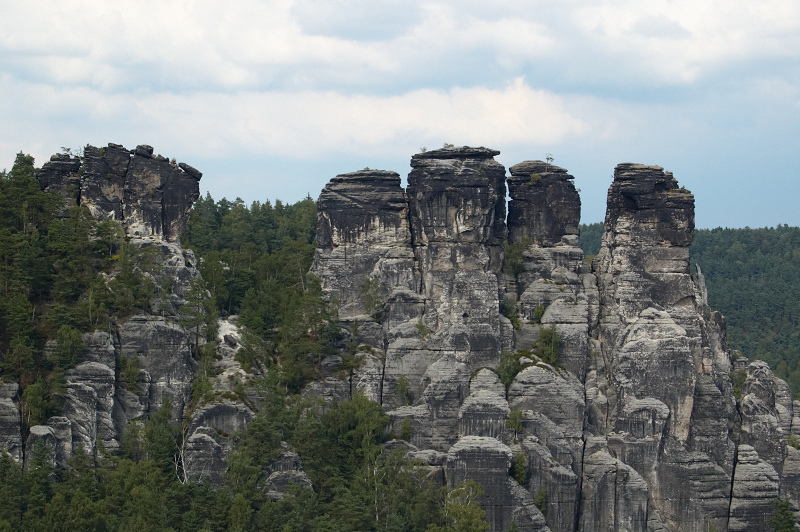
(358, 46)
(317, 124)
(300, 82)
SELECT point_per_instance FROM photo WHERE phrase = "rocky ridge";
(151, 198)
(634, 427)
(149, 194)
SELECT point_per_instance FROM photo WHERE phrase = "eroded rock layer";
(634, 427)
(149, 193)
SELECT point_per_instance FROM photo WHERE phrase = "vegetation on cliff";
(65, 273)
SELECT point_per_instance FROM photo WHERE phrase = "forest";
(54, 267)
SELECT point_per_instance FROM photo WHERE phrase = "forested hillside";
(753, 278)
(63, 273)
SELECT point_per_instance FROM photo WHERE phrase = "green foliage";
(591, 238)
(514, 256)
(514, 422)
(37, 404)
(793, 440)
(508, 367)
(161, 438)
(783, 518)
(462, 511)
(752, 279)
(239, 515)
(518, 468)
(404, 391)
(423, 329)
(372, 298)
(738, 378)
(406, 431)
(538, 312)
(546, 349)
(540, 501)
(243, 247)
(509, 310)
(200, 312)
(68, 346)
(547, 345)
(535, 178)
(255, 447)
(129, 374)
(12, 494)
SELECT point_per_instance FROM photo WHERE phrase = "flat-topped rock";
(544, 206)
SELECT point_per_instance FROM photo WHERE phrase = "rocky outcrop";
(634, 427)
(162, 350)
(149, 194)
(544, 206)
(629, 424)
(666, 371)
(10, 421)
(62, 174)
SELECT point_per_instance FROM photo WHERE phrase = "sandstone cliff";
(635, 426)
(452, 306)
(149, 194)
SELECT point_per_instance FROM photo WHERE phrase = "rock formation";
(632, 426)
(151, 198)
(149, 194)
(635, 426)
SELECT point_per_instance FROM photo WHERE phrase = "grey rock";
(149, 194)
(560, 484)
(755, 489)
(226, 416)
(10, 421)
(543, 208)
(89, 405)
(483, 413)
(163, 350)
(41, 435)
(61, 428)
(282, 473)
(614, 495)
(61, 174)
(760, 425)
(659, 341)
(105, 170)
(487, 461)
(204, 458)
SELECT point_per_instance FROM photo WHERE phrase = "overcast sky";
(270, 99)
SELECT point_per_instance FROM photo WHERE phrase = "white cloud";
(357, 44)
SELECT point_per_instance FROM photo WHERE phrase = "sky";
(270, 99)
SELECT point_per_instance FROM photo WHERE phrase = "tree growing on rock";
(462, 511)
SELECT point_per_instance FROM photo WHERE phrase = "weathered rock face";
(149, 193)
(388, 254)
(10, 426)
(62, 174)
(363, 237)
(544, 204)
(162, 350)
(667, 401)
(634, 428)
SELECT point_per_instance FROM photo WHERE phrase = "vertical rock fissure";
(733, 479)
